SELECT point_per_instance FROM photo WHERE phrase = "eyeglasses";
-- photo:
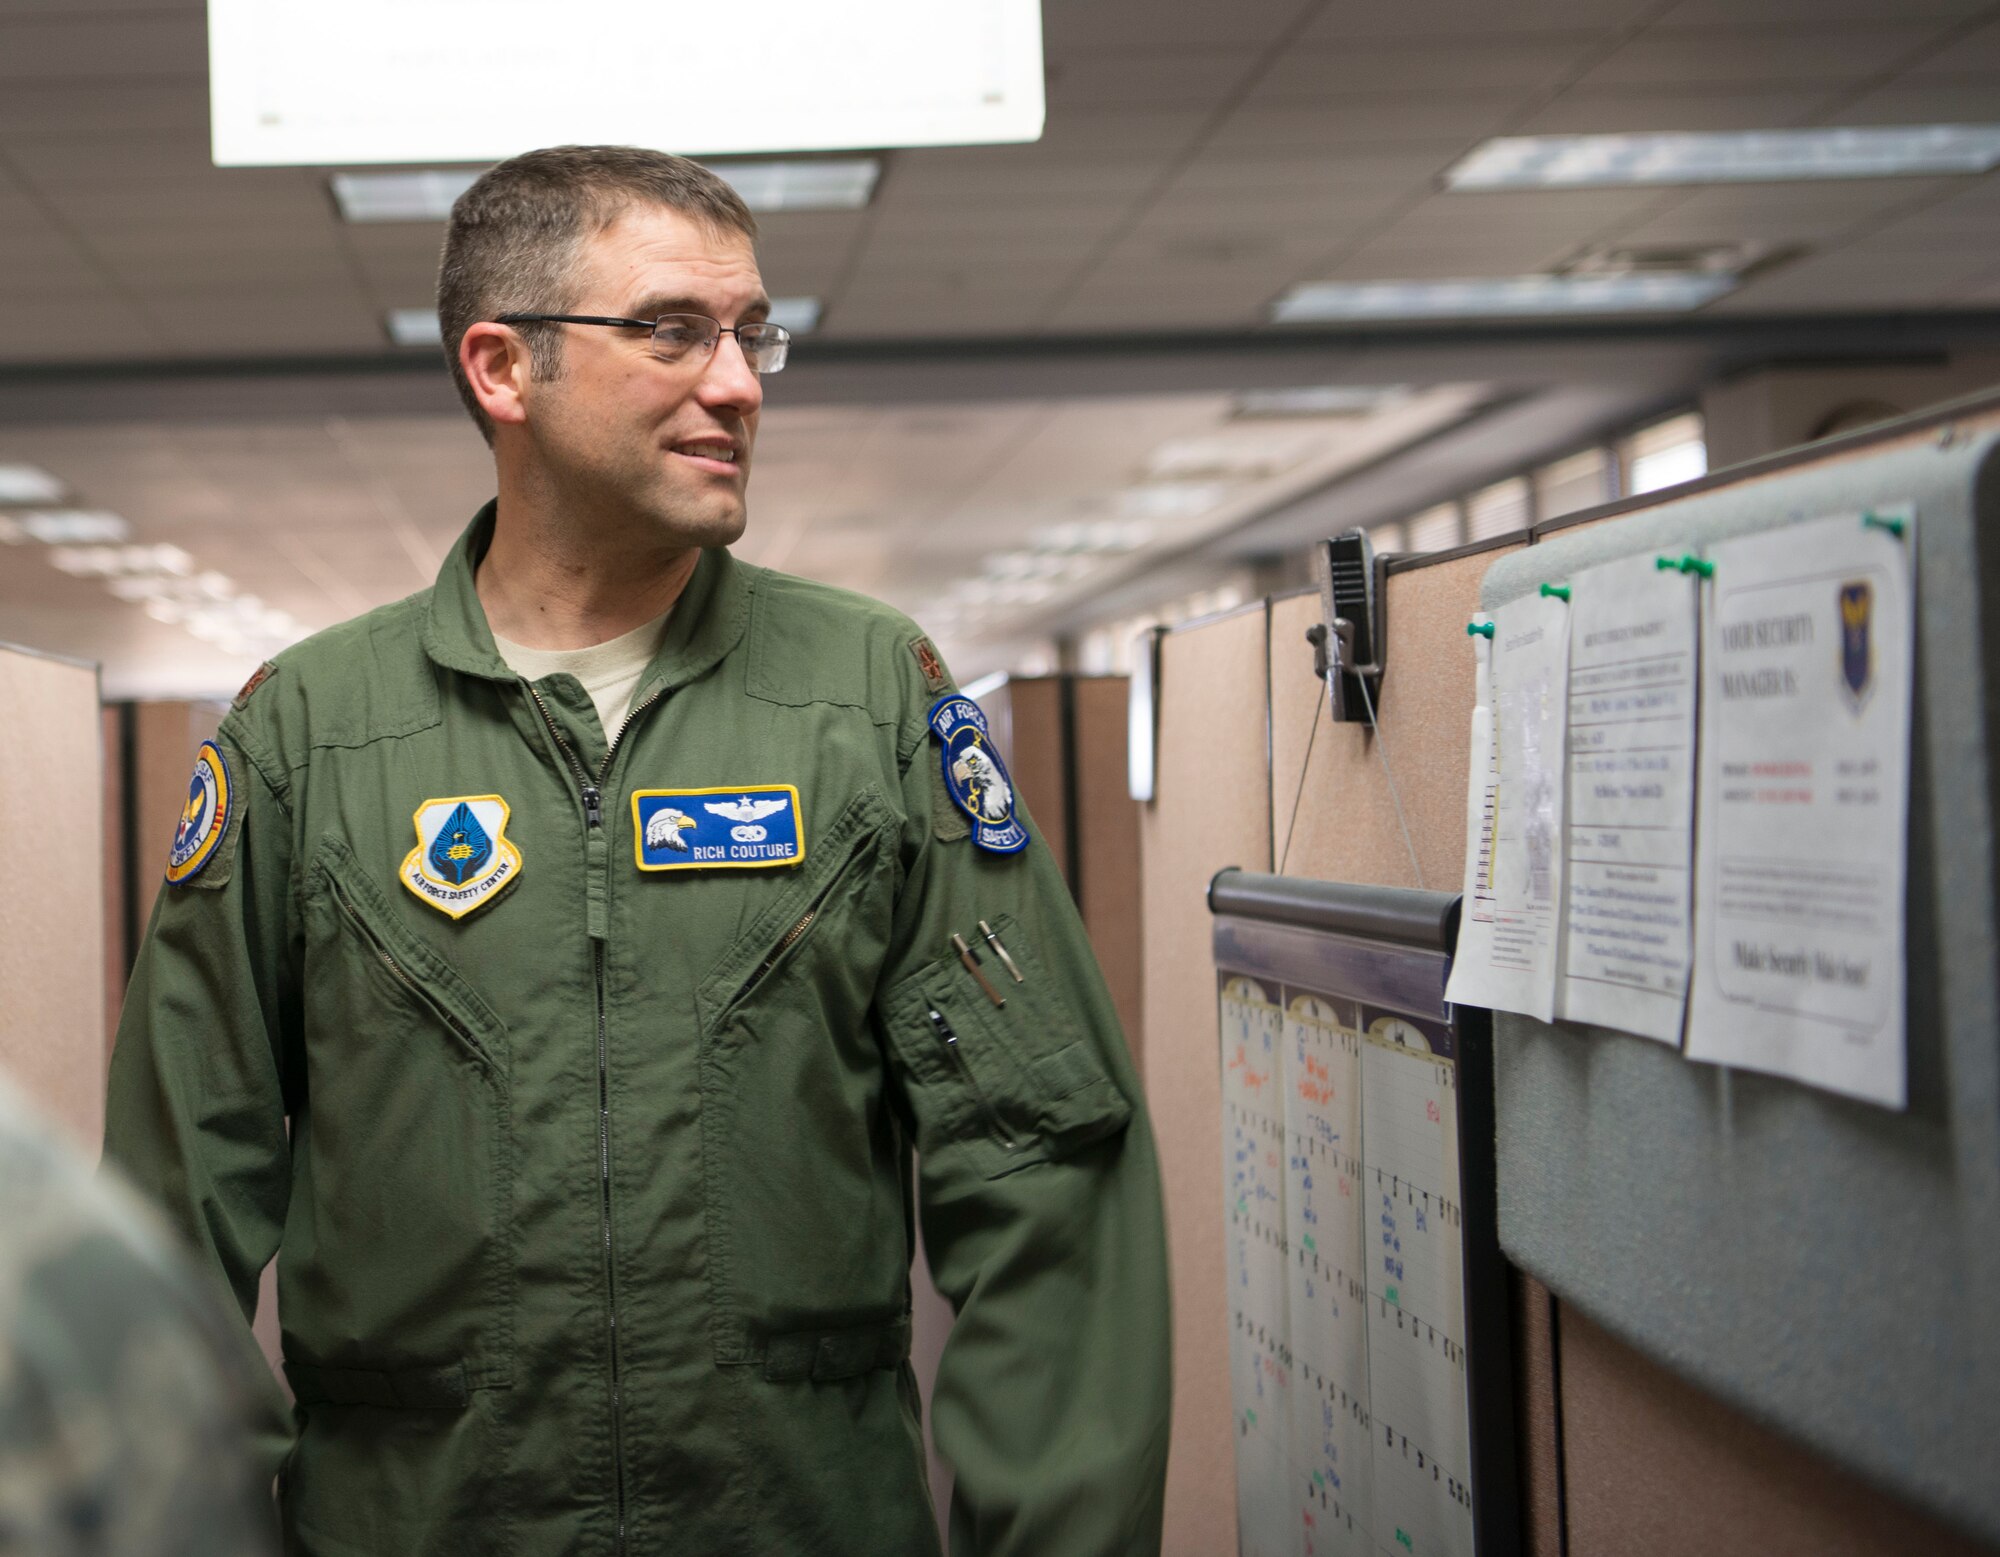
(682, 337)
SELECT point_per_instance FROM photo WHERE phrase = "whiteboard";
(1346, 1251)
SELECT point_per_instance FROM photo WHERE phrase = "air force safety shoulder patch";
(204, 816)
(463, 857)
(703, 829)
(974, 775)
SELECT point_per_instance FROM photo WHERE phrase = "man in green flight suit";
(609, 925)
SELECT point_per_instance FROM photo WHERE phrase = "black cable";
(1319, 707)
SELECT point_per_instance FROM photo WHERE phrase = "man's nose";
(729, 380)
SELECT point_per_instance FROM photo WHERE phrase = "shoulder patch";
(975, 777)
(205, 814)
(936, 677)
(258, 677)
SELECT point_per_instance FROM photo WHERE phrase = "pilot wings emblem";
(746, 809)
(664, 828)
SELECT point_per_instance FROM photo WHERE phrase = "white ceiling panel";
(1973, 51)
(1848, 279)
(1809, 213)
(31, 109)
(1956, 101)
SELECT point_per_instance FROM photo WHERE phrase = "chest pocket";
(998, 1088)
(802, 1194)
(394, 1266)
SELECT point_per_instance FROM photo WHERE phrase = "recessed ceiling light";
(26, 484)
(423, 196)
(74, 526)
(414, 327)
(1315, 400)
(800, 315)
(1494, 297)
(1725, 157)
(835, 184)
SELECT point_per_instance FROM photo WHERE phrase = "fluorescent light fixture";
(1104, 537)
(1494, 297)
(1725, 157)
(26, 484)
(800, 315)
(1316, 400)
(138, 562)
(287, 89)
(423, 196)
(1171, 499)
(74, 526)
(835, 184)
(414, 327)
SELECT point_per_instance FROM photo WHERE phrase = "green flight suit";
(596, 1211)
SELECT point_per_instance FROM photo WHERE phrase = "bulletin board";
(1829, 1267)
(1369, 1344)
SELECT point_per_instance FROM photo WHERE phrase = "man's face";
(626, 437)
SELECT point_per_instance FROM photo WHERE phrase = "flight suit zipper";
(593, 818)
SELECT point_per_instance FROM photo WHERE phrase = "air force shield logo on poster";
(463, 856)
(204, 816)
(1857, 652)
(975, 775)
(697, 829)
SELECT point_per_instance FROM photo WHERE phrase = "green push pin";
(1699, 565)
(1879, 522)
(1479, 629)
(1555, 591)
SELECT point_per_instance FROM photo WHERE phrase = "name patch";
(463, 857)
(697, 829)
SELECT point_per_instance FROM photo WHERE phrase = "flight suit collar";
(709, 618)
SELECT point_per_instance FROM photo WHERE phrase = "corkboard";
(1212, 809)
(51, 893)
(1656, 1468)
(1346, 827)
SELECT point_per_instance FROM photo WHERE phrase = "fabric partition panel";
(52, 893)
(1212, 809)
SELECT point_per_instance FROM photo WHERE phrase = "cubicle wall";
(51, 916)
(1620, 1457)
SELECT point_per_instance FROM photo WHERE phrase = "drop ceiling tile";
(1937, 101)
(1852, 281)
(1809, 213)
(1469, 19)
(1804, 55)
(99, 47)
(1971, 211)
(1383, 260)
(207, 324)
(1973, 52)
(1352, 121)
(1757, 13)
(1526, 64)
(1180, 79)
(169, 105)
(1395, 168)
(122, 156)
(1603, 110)
(1113, 24)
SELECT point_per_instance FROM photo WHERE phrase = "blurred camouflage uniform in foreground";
(126, 1405)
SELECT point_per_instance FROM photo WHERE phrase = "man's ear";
(495, 361)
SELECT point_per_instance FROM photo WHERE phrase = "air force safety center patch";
(463, 857)
(701, 829)
(204, 816)
(975, 776)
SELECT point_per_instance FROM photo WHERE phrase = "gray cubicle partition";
(1830, 1267)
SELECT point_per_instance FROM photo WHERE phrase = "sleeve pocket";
(998, 1087)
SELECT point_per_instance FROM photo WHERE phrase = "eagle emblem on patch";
(975, 777)
(204, 814)
(463, 856)
(695, 829)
